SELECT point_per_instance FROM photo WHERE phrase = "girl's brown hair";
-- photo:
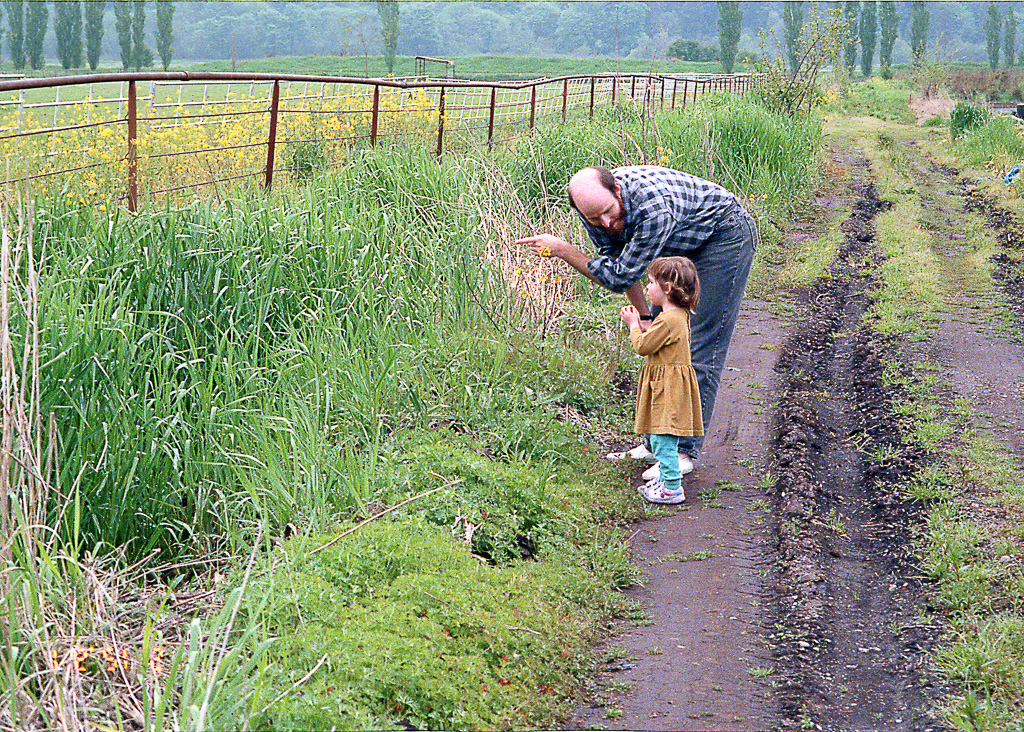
(678, 277)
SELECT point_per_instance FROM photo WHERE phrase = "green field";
(466, 67)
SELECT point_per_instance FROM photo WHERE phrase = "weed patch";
(411, 628)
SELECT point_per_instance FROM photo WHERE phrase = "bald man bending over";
(637, 213)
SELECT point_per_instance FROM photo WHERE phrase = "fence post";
(675, 83)
(593, 80)
(373, 116)
(533, 105)
(133, 150)
(614, 79)
(565, 96)
(490, 124)
(440, 123)
(662, 102)
(275, 101)
(632, 89)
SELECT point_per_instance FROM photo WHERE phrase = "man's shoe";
(685, 464)
(640, 452)
(654, 472)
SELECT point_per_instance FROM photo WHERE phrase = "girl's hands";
(630, 316)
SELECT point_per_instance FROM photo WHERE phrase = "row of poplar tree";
(80, 36)
(995, 28)
(865, 21)
(870, 24)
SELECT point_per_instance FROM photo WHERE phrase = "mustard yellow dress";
(667, 399)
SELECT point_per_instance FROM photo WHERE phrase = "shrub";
(966, 117)
(990, 85)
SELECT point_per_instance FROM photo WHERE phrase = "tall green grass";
(769, 159)
(183, 346)
(996, 138)
(214, 365)
(256, 355)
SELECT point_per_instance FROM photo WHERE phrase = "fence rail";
(182, 131)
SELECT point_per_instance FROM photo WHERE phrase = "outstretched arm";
(548, 245)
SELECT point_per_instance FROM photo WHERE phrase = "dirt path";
(699, 664)
(851, 648)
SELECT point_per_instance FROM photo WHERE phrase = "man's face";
(600, 207)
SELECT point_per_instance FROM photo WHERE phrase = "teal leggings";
(666, 450)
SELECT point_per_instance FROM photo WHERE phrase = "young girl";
(667, 400)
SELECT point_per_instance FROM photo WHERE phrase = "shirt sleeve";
(653, 227)
(653, 339)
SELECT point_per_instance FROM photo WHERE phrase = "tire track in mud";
(848, 645)
(981, 362)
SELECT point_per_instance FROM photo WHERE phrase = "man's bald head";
(594, 192)
(588, 177)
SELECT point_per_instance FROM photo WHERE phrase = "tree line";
(870, 24)
(995, 26)
(866, 20)
(705, 31)
(78, 28)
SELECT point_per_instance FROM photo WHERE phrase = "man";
(635, 214)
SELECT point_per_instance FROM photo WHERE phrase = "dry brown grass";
(991, 85)
(544, 288)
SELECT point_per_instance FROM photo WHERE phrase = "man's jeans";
(723, 264)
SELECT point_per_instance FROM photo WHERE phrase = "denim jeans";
(666, 451)
(723, 264)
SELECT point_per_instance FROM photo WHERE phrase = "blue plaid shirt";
(668, 213)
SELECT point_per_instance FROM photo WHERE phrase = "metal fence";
(165, 134)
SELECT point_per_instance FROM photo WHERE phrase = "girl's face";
(655, 292)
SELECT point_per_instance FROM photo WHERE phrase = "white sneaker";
(654, 472)
(655, 493)
(640, 452)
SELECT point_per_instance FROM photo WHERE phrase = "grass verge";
(971, 544)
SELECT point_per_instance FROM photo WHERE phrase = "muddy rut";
(787, 595)
(849, 645)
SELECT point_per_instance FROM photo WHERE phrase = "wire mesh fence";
(129, 137)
